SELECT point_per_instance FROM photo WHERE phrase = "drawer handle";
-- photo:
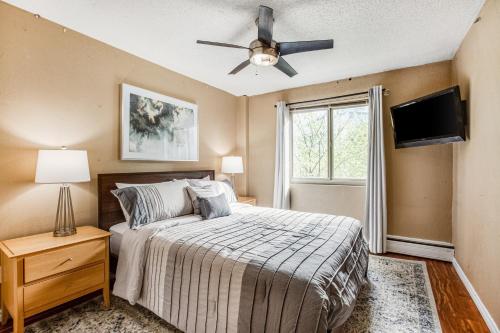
(65, 261)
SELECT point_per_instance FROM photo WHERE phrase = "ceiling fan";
(264, 51)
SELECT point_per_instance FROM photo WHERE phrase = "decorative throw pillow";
(123, 185)
(213, 207)
(196, 192)
(144, 204)
(221, 187)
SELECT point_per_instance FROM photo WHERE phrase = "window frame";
(330, 180)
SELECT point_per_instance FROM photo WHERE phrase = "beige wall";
(62, 88)
(329, 199)
(242, 142)
(476, 191)
(419, 180)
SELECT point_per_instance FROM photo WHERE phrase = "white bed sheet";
(116, 237)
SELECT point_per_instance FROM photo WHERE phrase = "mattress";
(115, 240)
(259, 269)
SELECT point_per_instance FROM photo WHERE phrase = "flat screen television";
(433, 119)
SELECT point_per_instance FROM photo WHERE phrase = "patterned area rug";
(397, 299)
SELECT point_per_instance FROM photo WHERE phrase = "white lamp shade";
(62, 166)
(232, 164)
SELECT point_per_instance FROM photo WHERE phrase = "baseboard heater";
(420, 247)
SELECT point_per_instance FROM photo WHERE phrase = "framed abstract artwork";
(156, 127)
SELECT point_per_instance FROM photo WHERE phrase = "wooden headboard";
(109, 209)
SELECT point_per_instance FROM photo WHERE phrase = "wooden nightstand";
(248, 200)
(42, 271)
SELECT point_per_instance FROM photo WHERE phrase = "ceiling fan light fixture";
(263, 59)
(262, 54)
(265, 51)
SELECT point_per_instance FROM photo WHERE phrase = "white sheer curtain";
(375, 227)
(281, 197)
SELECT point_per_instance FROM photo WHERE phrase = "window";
(330, 144)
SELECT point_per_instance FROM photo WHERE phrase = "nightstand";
(248, 200)
(42, 271)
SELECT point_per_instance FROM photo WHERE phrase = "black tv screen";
(432, 119)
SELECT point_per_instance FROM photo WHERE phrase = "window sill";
(344, 182)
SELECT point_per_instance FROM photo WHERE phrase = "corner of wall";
(476, 170)
(242, 141)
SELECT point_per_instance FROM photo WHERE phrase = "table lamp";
(63, 166)
(232, 165)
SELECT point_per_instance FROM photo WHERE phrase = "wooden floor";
(456, 309)
(457, 312)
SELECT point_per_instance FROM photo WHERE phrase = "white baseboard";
(475, 297)
(420, 248)
(420, 240)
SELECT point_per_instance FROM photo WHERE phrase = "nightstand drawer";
(62, 288)
(56, 261)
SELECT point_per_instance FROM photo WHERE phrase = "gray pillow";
(145, 204)
(141, 204)
(212, 207)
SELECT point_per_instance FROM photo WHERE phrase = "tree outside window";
(330, 144)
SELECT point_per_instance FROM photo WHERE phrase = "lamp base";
(233, 185)
(65, 218)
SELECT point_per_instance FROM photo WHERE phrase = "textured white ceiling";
(370, 35)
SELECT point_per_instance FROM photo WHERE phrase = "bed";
(257, 270)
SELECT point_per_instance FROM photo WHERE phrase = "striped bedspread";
(258, 270)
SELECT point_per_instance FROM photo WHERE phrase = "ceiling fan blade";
(283, 66)
(265, 24)
(221, 44)
(306, 46)
(240, 67)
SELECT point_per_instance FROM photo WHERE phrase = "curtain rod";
(385, 91)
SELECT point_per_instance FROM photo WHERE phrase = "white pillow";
(195, 179)
(123, 185)
(205, 191)
(176, 201)
(221, 187)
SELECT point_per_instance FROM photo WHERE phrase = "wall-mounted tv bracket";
(464, 112)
